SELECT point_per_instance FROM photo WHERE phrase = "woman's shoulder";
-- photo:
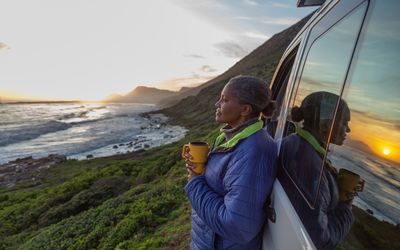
(258, 141)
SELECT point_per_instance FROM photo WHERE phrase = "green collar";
(310, 139)
(315, 144)
(251, 129)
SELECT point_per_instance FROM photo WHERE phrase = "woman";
(315, 194)
(228, 200)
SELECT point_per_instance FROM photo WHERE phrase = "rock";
(370, 211)
(146, 145)
(21, 170)
(89, 156)
(121, 144)
(115, 146)
(23, 159)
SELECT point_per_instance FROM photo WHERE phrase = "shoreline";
(156, 133)
(138, 131)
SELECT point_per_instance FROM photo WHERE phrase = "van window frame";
(304, 51)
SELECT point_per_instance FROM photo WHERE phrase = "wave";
(26, 132)
(29, 132)
(68, 116)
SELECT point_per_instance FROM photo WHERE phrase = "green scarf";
(315, 144)
(251, 129)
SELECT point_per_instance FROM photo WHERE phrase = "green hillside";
(136, 200)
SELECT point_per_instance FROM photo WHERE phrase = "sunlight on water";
(76, 129)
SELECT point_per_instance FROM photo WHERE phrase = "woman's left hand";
(190, 166)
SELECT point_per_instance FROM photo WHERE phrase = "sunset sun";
(386, 151)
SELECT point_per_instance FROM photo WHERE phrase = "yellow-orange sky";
(90, 49)
(379, 135)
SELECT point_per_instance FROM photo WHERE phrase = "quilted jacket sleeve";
(333, 224)
(237, 216)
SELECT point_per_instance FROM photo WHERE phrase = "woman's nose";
(348, 130)
(217, 104)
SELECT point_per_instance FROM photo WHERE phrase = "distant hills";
(143, 94)
(137, 200)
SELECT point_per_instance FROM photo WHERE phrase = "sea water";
(80, 130)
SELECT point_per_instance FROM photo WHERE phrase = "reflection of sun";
(386, 151)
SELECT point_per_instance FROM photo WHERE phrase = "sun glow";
(386, 151)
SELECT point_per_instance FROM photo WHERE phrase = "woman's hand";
(190, 165)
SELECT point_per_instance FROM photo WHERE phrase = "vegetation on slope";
(137, 201)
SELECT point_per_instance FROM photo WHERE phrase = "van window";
(325, 69)
(372, 147)
(279, 88)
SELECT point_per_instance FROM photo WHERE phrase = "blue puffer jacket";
(228, 201)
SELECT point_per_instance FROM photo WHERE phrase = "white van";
(350, 48)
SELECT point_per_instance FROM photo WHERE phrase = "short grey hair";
(255, 92)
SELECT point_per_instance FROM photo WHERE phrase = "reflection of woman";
(228, 200)
(302, 155)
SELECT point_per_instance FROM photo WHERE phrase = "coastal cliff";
(136, 200)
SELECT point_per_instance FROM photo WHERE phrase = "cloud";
(251, 2)
(207, 69)
(243, 18)
(270, 20)
(198, 76)
(194, 56)
(230, 49)
(281, 5)
(257, 35)
(190, 81)
(4, 46)
(281, 21)
(202, 6)
(382, 119)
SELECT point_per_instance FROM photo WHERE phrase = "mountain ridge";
(137, 200)
(142, 94)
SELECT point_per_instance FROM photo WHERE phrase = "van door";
(324, 56)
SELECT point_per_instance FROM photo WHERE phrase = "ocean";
(382, 181)
(80, 130)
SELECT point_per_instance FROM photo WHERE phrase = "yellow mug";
(199, 152)
(349, 183)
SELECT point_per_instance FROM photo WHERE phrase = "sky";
(90, 49)
(372, 85)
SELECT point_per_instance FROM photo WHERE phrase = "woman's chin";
(218, 119)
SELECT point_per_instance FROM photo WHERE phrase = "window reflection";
(373, 147)
(324, 72)
(329, 56)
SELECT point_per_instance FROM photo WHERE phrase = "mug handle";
(184, 148)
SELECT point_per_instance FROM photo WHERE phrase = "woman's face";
(229, 110)
(342, 128)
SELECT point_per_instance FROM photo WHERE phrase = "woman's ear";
(247, 110)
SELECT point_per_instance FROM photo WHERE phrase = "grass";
(136, 200)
